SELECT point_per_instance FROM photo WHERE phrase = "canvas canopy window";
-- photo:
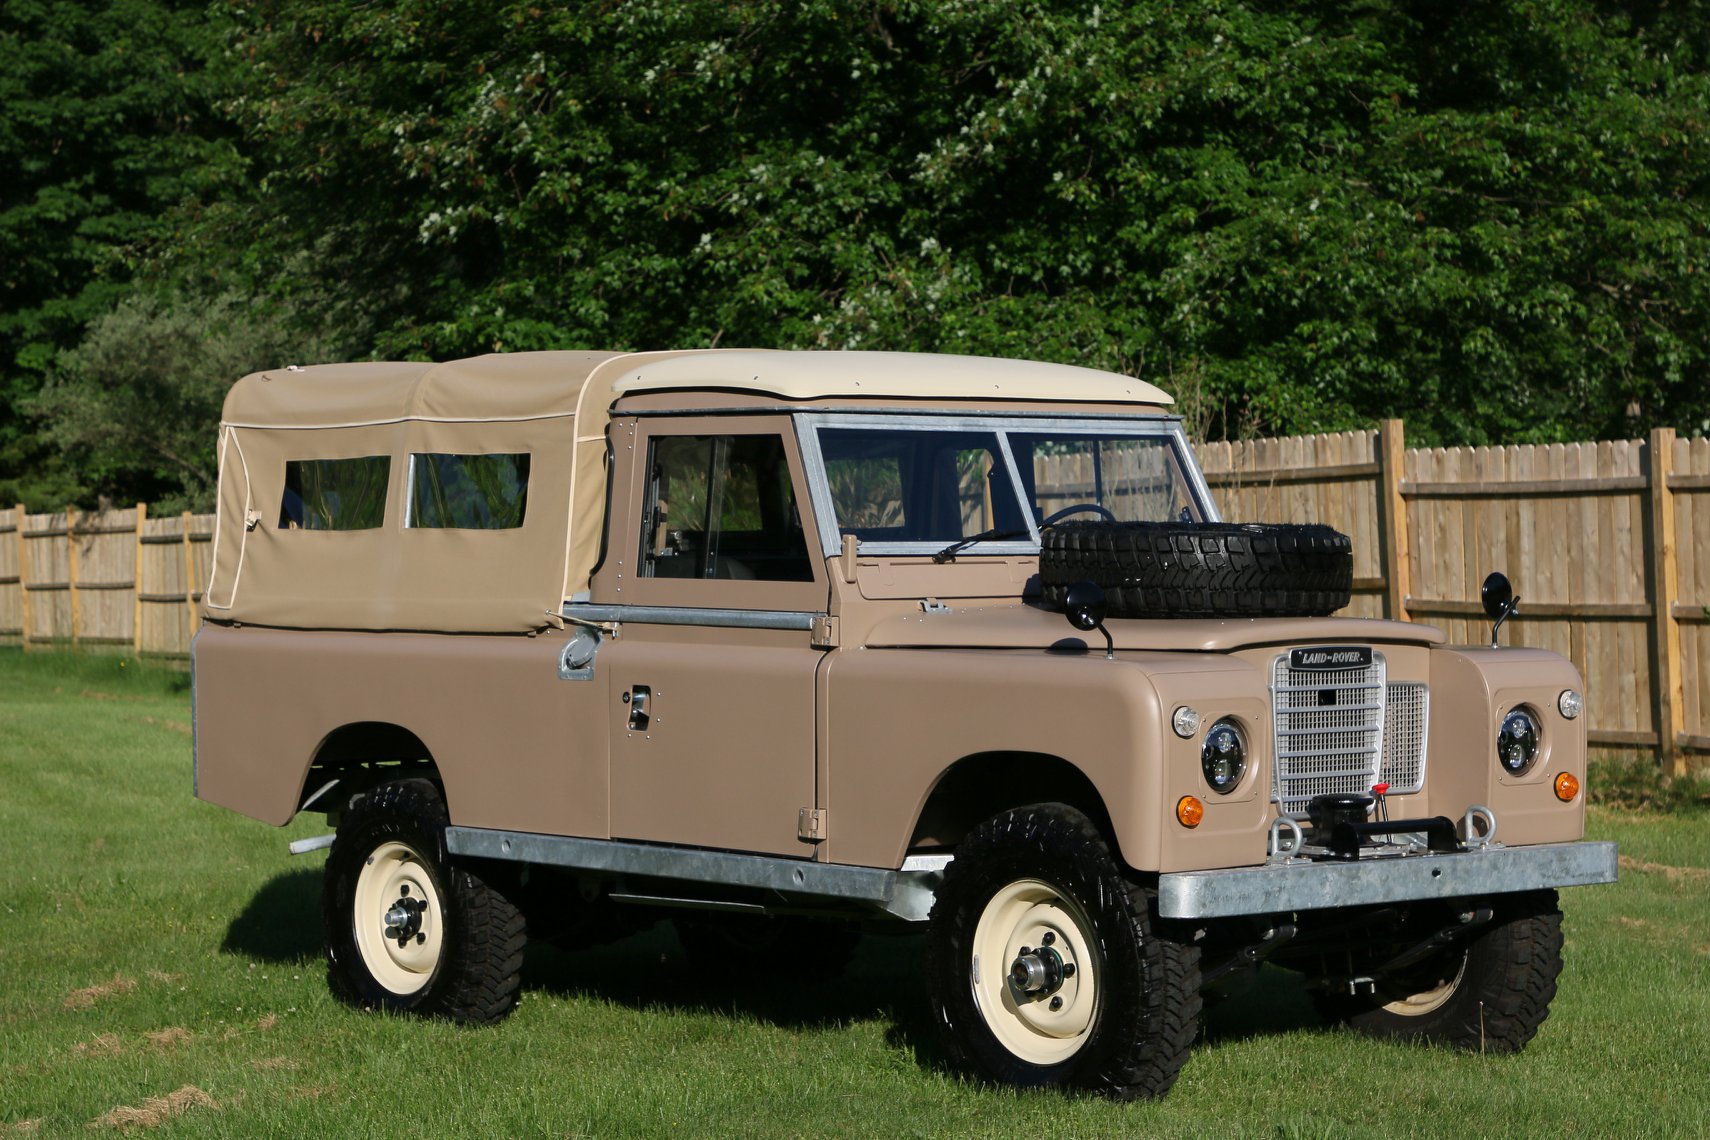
(404, 496)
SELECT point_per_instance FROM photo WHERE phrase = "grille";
(1329, 730)
(1404, 737)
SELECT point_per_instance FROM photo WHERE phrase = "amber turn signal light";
(1189, 811)
(1567, 787)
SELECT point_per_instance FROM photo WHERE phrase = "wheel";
(743, 946)
(407, 929)
(1048, 966)
(1188, 569)
(1487, 996)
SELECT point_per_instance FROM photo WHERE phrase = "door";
(711, 681)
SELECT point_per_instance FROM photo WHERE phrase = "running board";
(906, 894)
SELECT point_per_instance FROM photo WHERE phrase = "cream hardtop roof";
(818, 375)
(533, 385)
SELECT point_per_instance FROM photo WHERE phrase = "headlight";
(1223, 756)
(1517, 743)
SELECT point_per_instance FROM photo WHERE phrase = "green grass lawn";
(160, 968)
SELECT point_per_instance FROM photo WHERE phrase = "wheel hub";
(403, 921)
(397, 918)
(1040, 973)
(1042, 998)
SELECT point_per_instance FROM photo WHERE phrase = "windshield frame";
(809, 424)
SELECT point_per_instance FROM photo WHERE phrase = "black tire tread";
(1167, 1020)
(485, 933)
(1505, 996)
(1177, 569)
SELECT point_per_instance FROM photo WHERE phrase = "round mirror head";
(1496, 593)
(1085, 605)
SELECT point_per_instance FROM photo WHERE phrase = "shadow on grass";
(885, 981)
(282, 923)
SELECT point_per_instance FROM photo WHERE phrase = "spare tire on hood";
(1188, 569)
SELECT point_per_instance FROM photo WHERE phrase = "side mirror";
(1085, 607)
(1500, 604)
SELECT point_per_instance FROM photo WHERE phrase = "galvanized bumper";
(1284, 887)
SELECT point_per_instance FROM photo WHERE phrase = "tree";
(107, 136)
(1489, 219)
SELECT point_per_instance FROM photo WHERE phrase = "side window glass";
(335, 494)
(468, 492)
(722, 507)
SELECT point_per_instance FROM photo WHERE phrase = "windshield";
(894, 483)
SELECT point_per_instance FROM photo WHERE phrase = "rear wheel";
(1049, 967)
(1489, 995)
(406, 928)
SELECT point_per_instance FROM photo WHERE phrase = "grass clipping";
(155, 1111)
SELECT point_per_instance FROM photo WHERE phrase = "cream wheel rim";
(1428, 1001)
(1052, 1023)
(397, 917)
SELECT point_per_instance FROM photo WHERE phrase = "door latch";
(636, 698)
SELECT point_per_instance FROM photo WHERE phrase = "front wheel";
(1048, 966)
(407, 929)
(1487, 996)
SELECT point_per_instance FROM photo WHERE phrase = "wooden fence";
(1608, 546)
(114, 577)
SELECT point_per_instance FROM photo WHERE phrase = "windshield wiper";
(948, 554)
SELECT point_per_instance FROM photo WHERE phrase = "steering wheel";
(1077, 508)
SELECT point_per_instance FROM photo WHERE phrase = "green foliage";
(1638, 784)
(108, 143)
(1488, 219)
(137, 402)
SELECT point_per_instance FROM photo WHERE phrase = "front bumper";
(1301, 885)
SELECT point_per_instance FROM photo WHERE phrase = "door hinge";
(824, 632)
(811, 825)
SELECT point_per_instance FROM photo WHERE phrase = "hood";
(1019, 626)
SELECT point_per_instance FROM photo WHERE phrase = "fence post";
(136, 583)
(71, 573)
(1392, 447)
(189, 579)
(1670, 701)
(23, 578)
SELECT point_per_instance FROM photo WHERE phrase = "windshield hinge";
(824, 635)
(811, 825)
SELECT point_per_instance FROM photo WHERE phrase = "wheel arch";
(360, 756)
(979, 786)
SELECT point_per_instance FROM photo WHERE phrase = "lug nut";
(1068, 969)
(1048, 939)
(1056, 1004)
(404, 890)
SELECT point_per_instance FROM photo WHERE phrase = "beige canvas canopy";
(552, 407)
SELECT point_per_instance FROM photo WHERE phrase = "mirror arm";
(1509, 609)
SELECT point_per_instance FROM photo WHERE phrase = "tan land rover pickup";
(790, 644)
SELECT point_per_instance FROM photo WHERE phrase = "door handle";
(636, 698)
